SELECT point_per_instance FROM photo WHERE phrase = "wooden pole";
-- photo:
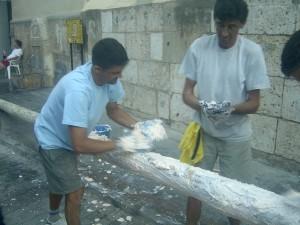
(243, 201)
(18, 111)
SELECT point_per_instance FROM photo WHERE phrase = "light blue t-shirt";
(77, 101)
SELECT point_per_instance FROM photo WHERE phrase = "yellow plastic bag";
(191, 144)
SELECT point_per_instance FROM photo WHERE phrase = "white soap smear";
(143, 136)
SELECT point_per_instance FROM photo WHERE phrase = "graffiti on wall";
(92, 34)
(58, 37)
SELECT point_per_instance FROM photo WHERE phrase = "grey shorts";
(61, 170)
(235, 158)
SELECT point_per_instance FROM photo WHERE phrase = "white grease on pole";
(246, 202)
(143, 136)
(18, 111)
(243, 201)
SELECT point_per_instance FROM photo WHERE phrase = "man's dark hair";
(290, 57)
(108, 52)
(226, 10)
(19, 43)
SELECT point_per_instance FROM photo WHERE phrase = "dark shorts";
(61, 170)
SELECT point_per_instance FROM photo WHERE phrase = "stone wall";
(156, 37)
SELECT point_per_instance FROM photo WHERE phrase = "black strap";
(198, 140)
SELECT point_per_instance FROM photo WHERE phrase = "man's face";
(106, 76)
(227, 32)
(296, 74)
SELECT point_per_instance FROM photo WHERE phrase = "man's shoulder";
(250, 46)
(203, 43)
(203, 40)
(77, 79)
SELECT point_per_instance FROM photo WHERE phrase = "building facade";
(156, 35)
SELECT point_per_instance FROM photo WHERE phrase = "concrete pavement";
(114, 195)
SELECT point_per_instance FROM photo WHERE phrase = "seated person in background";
(290, 58)
(16, 53)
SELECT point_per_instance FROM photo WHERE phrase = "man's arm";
(84, 145)
(188, 95)
(250, 106)
(117, 114)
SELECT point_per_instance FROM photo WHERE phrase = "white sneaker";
(61, 221)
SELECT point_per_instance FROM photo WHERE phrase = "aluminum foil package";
(213, 108)
(217, 112)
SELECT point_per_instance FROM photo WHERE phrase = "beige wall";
(28, 9)
(113, 4)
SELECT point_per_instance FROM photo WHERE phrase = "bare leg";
(233, 221)
(193, 211)
(2, 66)
(54, 201)
(72, 208)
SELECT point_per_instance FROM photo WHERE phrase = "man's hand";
(217, 112)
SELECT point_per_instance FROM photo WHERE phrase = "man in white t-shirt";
(290, 58)
(16, 53)
(225, 67)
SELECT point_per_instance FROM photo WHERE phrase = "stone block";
(163, 105)
(264, 133)
(272, 47)
(120, 37)
(157, 46)
(130, 73)
(271, 99)
(129, 94)
(179, 111)
(291, 101)
(176, 79)
(154, 75)
(150, 18)
(138, 46)
(140, 98)
(107, 21)
(179, 127)
(124, 20)
(271, 19)
(174, 47)
(288, 141)
(270, 2)
(169, 22)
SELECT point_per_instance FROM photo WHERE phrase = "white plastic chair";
(13, 64)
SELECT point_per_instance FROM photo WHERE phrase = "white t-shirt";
(16, 52)
(225, 75)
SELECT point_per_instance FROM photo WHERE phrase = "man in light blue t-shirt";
(226, 67)
(72, 110)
